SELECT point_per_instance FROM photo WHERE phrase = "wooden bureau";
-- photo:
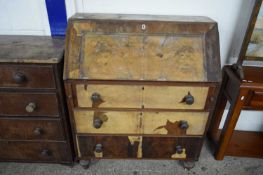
(140, 86)
(33, 116)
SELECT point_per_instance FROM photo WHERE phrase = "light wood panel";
(138, 57)
(114, 122)
(170, 97)
(167, 123)
(121, 96)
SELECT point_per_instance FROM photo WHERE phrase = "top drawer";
(26, 76)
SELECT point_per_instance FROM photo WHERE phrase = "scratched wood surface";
(168, 123)
(31, 49)
(139, 49)
(171, 97)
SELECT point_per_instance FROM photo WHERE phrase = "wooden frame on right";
(242, 87)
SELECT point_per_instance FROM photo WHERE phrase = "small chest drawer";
(118, 96)
(29, 104)
(175, 97)
(162, 123)
(26, 76)
(138, 147)
(35, 151)
(18, 129)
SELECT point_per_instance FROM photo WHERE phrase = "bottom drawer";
(139, 147)
(35, 151)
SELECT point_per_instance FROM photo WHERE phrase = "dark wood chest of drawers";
(140, 86)
(33, 118)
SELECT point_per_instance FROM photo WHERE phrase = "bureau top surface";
(30, 49)
(142, 48)
(141, 17)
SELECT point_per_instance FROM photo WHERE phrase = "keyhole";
(143, 26)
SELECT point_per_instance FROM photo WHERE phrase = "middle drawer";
(33, 129)
(29, 104)
(141, 96)
(127, 122)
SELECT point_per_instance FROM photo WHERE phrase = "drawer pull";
(46, 152)
(189, 99)
(183, 124)
(19, 77)
(30, 107)
(179, 149)
(38, 131)
(97, 122)
(95, 97)
(98, 148)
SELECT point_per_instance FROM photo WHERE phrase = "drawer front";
(29, 104)
(24, 76)
(175, 97)
(141, 57)
(121, 96)
(35, 151)
(174, 123)
(110, 122)
(163, 123)
(138, 147)
(17, 129)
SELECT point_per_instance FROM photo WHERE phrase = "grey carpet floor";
(205, 165)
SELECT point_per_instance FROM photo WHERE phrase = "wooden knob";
(189, 99)
(30, 107)
(97, 123)
(183, 124)
(19, 77)
(46, 152)
(98, 148)
(95, 97)
(179, 149)
(38, 131)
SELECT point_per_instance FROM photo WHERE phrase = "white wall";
(23, 17)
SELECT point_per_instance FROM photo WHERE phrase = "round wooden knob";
(46, 152)
(189, 99)
(97, 123)
(184, 124)
(38, 131)
(30, 107)
(19, 77)
(98, 148)
(95, 97)
(179, 149)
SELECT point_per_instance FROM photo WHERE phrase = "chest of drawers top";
(142, 48)
(31, 49)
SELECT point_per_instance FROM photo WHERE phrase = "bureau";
(140, 86)
(34, 125)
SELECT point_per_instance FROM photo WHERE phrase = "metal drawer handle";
(98, 148)
(183, 124)
(188, 99)
(97, 122)
(38, 131)
(46, 152)
(95, 97)
(31, 107)
(19, 77)
(179, 149)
